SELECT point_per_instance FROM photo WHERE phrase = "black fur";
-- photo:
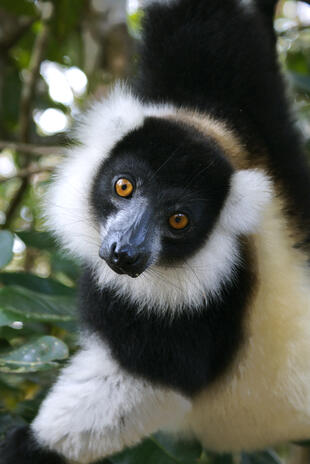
(215, 56)
(267, 7)
(178, 170)
(20, 447)
(186, 352)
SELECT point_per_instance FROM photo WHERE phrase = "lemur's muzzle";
(127, 246)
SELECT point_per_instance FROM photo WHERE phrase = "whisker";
(164, 163)
(198, 174)
(200, 287)
(75, 216)
(158, 275)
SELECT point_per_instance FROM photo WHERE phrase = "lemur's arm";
(193, 54)
(95, 409)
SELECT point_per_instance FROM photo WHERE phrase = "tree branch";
(29, 87)
(26, 173)
(26, 104)
(14, 29)
(31, 149)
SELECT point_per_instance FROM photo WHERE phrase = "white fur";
(250, 193)
(96, 409)
(69, 215)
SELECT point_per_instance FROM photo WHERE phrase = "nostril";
(114, 254)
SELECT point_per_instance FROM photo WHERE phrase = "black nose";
(124, 256)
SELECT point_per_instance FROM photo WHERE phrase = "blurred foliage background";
(54, 55)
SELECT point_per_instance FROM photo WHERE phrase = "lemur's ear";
(250, 193)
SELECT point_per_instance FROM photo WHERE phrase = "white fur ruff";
(69, 215)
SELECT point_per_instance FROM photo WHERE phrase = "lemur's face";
(155, 197)
(158, 195)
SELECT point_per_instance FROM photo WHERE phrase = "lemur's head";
(157, 195)
(150, 197)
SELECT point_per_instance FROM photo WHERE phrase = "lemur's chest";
(186, 352)
(266, 395)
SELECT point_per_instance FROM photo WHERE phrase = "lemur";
(187, 199)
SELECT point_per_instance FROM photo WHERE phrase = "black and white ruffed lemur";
(188, 201)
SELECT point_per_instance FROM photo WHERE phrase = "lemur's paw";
(20, 447)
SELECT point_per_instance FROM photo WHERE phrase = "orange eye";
(178, 221)
(123, 187)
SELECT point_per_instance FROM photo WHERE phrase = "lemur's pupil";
(178, 219)
(124, 187)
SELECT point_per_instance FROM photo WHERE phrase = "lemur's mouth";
(121, 271)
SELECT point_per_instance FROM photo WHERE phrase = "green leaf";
(35, 283)
(37, 306)
(263, 457)
(63, 264)
(211, 458)
(179, 449)
(28, 329)
(135, 23)
(148, 452)
(297, 62)
(7, 318)
(160, 448)
(34, 356)
(39, 240)
(6, 247)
